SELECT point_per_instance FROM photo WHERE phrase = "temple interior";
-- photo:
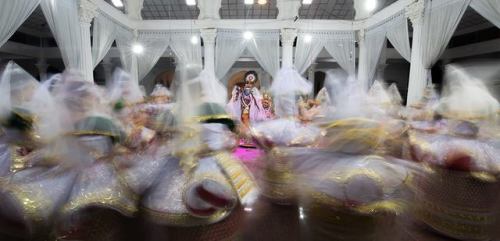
(249, 120)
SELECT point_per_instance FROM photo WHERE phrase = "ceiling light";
(247, 35)
(117, 3)
(308, 38)
(261, 2)
(195, 40)
(191, 2)
(137, 48)
(248, 2)
(307, 2)
(370, 5)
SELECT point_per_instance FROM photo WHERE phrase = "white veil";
(189, 92)
(465, 97)
(346, 94)
(18, 89)
(124, 87)
(286, 86)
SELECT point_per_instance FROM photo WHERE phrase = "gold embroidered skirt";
(279, 184)
(457, 204)
(327, 220)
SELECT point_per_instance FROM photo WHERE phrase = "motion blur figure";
(39, 176)
(286, 130)
(350, 186)
(457, 197)
(202, 190)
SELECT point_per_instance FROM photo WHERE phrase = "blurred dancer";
(287, 130)
(40, 175)
(201, 192)
(99, 204)
(457, 198)
(350, 188)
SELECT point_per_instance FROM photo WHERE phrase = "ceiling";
(168, 9)
(471, 18)
(236, 9)
(324, 9)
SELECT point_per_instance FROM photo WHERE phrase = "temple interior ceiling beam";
(210, 18)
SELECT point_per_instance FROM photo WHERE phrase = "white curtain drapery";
(369, 58)
(13, 14)
(395, 28)
(228, 49)
(153, 50)
(156, 43)
(63, 20)
(339, 44)
(343, 51)
(397, 34)
(104, 34)
(264, 46)
(124, 41)
(440, 21)
(489, 9)
(186, 52)
(306, 51)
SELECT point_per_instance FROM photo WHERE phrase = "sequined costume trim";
(392, 206)
(183, 219)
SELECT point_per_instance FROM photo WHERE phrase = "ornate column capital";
(415, 11)
(208, 35)
(88, 10)
(288, 36)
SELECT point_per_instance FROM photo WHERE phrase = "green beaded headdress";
(215, 113)
(19, 119)
(99, 125)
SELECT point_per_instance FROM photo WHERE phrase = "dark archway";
(319, 81)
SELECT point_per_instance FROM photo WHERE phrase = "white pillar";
(209, 36)
(134, 8)
(362, 61)
(418, 74)
(209, 9)
(288, 36)
(288, 9)
(42, 66)
(88, 10)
